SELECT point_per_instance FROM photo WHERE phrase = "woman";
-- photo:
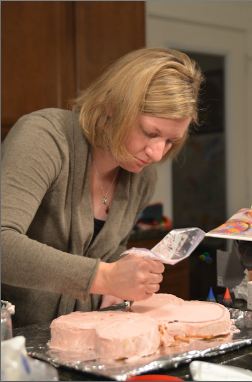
(74, 182)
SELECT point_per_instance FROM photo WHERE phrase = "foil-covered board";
(37, 337)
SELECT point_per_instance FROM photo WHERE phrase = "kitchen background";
(52, 50)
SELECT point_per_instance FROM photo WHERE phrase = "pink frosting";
(163, 319)
(106, 334)
(180, 318)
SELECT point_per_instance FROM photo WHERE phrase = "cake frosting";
(180, 319)
(161, 320)
(109, 334)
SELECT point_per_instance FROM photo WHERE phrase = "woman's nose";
(155, 151)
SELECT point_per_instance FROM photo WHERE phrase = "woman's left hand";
(108, 300)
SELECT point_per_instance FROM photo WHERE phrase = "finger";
(144, 296)
(110, 300)
(156, 266)
(147, 295)
(152, 288)
(155, 278)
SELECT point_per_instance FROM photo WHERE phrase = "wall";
(223, 27)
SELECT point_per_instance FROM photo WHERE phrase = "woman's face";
(152, 138)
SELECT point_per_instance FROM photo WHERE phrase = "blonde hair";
(158, 82)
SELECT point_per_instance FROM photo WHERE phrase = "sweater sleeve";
(31, 164)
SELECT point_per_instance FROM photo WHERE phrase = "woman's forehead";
(164, 125)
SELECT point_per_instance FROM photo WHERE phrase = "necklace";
(105, 194)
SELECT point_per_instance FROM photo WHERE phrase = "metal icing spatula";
(125, 305)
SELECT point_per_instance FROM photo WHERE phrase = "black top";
(98, 224)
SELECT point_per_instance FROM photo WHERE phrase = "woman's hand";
(130, 278)
(108, 300)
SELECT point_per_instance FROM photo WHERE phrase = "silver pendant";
(105, 200)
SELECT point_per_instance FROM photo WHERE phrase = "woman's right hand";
(130, 278)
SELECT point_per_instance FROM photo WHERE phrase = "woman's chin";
(133, 168)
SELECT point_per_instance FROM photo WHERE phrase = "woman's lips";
(143, 162)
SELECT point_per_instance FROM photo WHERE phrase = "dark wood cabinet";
(37, 57)
(177, 280)
(53, 49)
(105, 30)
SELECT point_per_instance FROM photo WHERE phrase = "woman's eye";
(150, 135)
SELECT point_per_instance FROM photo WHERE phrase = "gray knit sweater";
(47, 218)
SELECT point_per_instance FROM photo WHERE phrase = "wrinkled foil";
(37, 337)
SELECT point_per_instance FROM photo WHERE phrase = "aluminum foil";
(37, 337)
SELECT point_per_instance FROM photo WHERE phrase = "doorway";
(210, 45)
(214, 184)
(199, 172)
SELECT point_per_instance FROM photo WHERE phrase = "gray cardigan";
(47, 218)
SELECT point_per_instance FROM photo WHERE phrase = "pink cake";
(108, 334)
(162, 319)
(180, 319)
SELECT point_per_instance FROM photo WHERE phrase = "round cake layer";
(109, 334)
(180, 318)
